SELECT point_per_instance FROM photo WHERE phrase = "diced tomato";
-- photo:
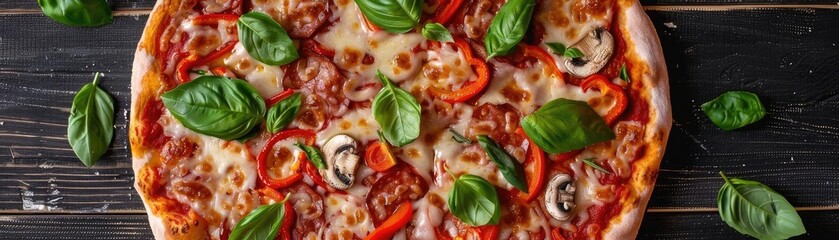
(378, 157)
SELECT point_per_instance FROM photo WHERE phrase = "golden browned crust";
(644, 51)
(168, 219)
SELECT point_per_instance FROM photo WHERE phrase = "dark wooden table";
(787, 53)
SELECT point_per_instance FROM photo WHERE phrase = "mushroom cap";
(341, 154)
(597, 47)
(559, 197)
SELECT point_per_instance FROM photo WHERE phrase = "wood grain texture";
(788, 58)
(42, 65)
(682, 226)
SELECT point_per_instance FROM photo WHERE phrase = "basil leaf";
(397, 112)
(78, 13)
(624, 74)
(563, 125)
(90, 127)
(262, 223)
(282, 113)
(735, 109)
(573, 53)
(508, 27)
(474, 201)
(510, 168)
(590, 162)
(198, 71)
(216, 106)
(556, 48)
(313, 154)
(756, 210)
(394, 16)
(254, 131)
(437, 32)
(459, 138)
(265, 40)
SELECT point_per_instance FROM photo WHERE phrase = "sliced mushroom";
(341, 155)
(597, 47)
(559, 197)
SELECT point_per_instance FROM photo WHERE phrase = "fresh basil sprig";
(590, 162)
(510, 168)
(624, 74)
(78, 13)
(216, 106)
(397, 112)
(282, 113)
(756, 210)
(90, 127)
(508, 27)
(265, 39)
(262, 223)
(735, 109)
(459, 138)
(394, 16)
(474, 201)
(560, 49)
(437, 32)
(313, 154)
(563, 125)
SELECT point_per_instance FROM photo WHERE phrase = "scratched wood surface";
(788, 56)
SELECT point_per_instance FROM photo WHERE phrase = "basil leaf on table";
(394, 16)
(474, 201)
(90, 127)
(397, 112)
(563, 125)
(437, 32)
(735, 109)
(508, 27)
(459, 138)
(265, 40)
(756, 210)
(78, 13)
(313, 154)
(216, 106)
(510, 168)
(282, 113)
(262, 223)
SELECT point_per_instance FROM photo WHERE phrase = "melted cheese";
(563, 23)
(265, 78)
(346, 213)
(356, 123)
(529, 88)
(393, 54)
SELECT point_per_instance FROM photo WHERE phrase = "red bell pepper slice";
(378, 157)
(607, 88)
(534, 169)
(448, 12)
(288, 218)
(279, 97)
(488, 232)
(193, 60)
(470, 89)
(543, 56)
(313, 173)
(398, 220)
(212, 19)
(555, 234)
(263, 156)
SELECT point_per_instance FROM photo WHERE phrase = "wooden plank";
(115, 4)
(687, 226)
(771, 52)
(41, 67)
(788, 58)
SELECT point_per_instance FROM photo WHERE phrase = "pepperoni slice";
(479, 14)
(391, 190)
(315, 74)
(497, 121)
(303, 18)
(308, 205)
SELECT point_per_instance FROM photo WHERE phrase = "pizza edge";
(644, 49)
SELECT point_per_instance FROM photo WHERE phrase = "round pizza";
(398, 119)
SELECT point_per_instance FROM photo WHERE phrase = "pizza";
(409, 119)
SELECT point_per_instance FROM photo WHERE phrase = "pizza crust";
(646, 48)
